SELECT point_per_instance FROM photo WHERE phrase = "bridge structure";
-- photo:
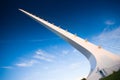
(102, 62)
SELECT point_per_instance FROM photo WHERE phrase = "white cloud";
(39, 55)
(70, 51)
(74, 65)
(109, 22)
(7, 67)
(65, 52)
(109, 40)
(44, 56)
(27, 64)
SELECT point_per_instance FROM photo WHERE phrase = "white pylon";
(103, 63)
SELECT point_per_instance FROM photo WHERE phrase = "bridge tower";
(103, 62)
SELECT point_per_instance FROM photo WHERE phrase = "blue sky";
(28, 51)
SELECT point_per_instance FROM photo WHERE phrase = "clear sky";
(28, 51)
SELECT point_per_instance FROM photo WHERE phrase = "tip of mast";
(19, 9)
